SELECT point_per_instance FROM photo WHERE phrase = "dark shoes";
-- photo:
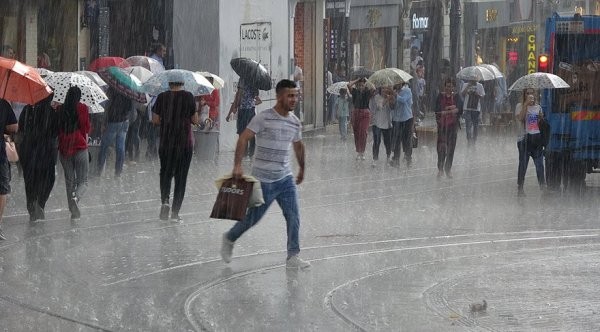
(2, 236)
(175, 217)
(164, 212)
(520, 192)
(75, 213)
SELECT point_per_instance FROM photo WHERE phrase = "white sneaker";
(296, 262)
(362, 156)
(226, 249)
(374, 163)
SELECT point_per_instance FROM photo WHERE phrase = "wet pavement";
(391, 249)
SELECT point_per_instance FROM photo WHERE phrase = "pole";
(455, 17)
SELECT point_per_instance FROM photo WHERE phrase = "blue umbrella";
(193, 82)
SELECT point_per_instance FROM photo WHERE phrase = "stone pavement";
(391, 250)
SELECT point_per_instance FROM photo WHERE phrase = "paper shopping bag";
(232, 200)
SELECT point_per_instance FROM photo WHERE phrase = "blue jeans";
(284, 192)
(115, 134)
(471, 124)
(343, 124)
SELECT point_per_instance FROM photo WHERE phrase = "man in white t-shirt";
(472, 93)
(276, 130)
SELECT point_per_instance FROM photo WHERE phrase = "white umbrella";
(91, 94)
(43, 72)
(475, 73)
(218, 82)
(193, 82)
(146, 62)
(334, 89)
(497, 73)
(539, 81)
(94, 77)
(140, 72)
(389, 77)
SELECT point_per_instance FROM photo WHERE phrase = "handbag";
(232, 199)
(11, 150)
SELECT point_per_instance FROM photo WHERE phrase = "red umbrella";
(107, 61)
(21, 83)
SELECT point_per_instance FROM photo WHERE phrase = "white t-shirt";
(478, 90)
(274, 137)
(530, 125)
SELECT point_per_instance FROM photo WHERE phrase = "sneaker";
(520, 192)
(358, 156)
(362, 156)
(226, 249)
(395, 163)
(296, 262)
(39, 211)
(449, 174)
(75, 214)
(176, 218)
(2, 236)
(440, 173)
(374, 163)
(164, 212)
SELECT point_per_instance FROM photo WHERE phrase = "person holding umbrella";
(73, 130)
(448, 108)
(244, 105)
(528, 114)
(37, 153)
(8, 122)
(175, 112)
(361, 95)
(472, 92)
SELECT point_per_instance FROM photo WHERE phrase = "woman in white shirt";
(530, 144)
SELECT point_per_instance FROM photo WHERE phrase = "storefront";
(41, 28)
(426, 23)
(374, 34)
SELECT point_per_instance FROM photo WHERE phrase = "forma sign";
(419, 22)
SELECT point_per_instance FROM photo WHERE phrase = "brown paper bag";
(232, 200)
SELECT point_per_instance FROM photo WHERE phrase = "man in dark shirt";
(174, 111)
(8, 122)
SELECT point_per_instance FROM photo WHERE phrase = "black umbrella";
(252, 72)
(360, 72)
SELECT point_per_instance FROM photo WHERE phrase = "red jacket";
(70, 144)
(213, 101)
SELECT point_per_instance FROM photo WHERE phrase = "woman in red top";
(74, 128)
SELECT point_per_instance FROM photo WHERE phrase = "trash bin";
(207, 145)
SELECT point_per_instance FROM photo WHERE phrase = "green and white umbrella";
(124, 82)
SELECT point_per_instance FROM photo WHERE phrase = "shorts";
(4, 177)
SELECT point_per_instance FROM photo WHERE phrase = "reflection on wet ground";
(391, 249)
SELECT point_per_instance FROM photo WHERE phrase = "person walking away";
(361, 95)
(380, 113)
(342, 111)
(152, 132)
(8, 121)
(132, 139)
(73, 130)
(244, 105)
(530, 143)
(448, 109)
(38, 154)
(175, 112)
(472, 92)
(402, 124)
(116, 125)
(276, 130)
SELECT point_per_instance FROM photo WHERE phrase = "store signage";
(491, 15)
(255, 42)
(523, 28)
(419, 22)
(531, 59)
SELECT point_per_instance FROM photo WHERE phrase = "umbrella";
(218, 82)
(497, 73)
(43, 72)
(192, 82)
(146, 62)
(95, 78)
(475, 73)
(21, 83)
(107, 61)
(125, 83)
(140, 72)
(91, 94)
(539, 81)
(360, 72)
(255, 74)
(389, 77)
(334, 89)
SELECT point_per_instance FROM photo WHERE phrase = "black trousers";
(402, 139)
(174, 164)
(39, 182)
